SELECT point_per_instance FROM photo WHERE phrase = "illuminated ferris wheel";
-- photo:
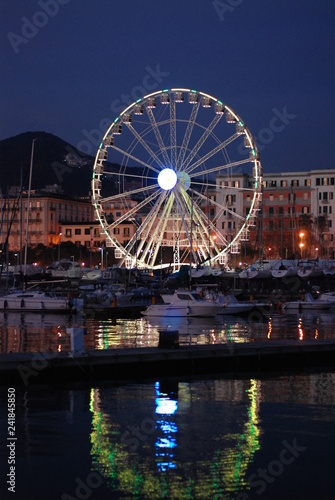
(171, 172)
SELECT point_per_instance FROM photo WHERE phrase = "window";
(212, 212)
(273, 184)
(305, 196)
(271, 225)
(331, 195)
(271, 197)
(325, 181)
(223, 225)
(281, 197)
(126, 231)
(283, 184)
(291, 197)
(305, 210)
(324, 209)
(237, 184)
(77, 230)
(325, 196)
(307, 182)
(248, 197)
(281, 210)
(87, 230)
(295, 182)
(271, 211)
(291, 210)
(68, 232)
(116, 230)
(317, 181)
(118, 214)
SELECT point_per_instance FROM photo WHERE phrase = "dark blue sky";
(65, 68)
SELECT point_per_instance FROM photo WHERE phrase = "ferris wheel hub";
(167, 179)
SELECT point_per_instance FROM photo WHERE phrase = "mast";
(28, 206)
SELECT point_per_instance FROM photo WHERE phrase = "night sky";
(67, 67)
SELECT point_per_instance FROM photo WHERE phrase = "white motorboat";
(230, 305)
(183, 303)
(308, 303)
(34, 301)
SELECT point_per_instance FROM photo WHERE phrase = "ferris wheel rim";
(182, 201)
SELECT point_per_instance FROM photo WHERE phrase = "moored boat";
(308, 303)
(34, 301)
(183, 303)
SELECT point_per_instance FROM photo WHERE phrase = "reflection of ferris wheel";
(172, 171)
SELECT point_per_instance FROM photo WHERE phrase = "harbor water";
(268, 437)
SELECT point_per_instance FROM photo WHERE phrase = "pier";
(233, 359)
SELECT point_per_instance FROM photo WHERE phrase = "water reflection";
(200, 439)
(195, 444)
(37, 332)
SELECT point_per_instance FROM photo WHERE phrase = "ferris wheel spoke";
(201, 141)
(182, 213)
(216, 186)
(221, 167)
(136, 159)
(133, 210)
(214, 151)
(158, 233)
(158, 136)
(220, 206)
(145, 145)
(173, 132)
(126, 194)
(133, 176)
(147, 225)
(188, 133)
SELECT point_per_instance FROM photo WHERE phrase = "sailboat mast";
(28, 206)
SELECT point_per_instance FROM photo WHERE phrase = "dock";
(136, 364)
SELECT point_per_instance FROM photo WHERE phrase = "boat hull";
(170, 311)
(38, 302)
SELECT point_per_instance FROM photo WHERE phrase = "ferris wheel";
(170, 177)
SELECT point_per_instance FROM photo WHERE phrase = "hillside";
(55, 162)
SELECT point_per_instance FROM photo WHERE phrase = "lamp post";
(59, 244)
(102, 258)
(301, 244)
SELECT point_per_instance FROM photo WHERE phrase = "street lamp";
(301, 244)
(102, 257)
(59, 244)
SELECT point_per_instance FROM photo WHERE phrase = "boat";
(230, 305)
(308, 303)
(183, 303)
(65, 269)
(260, 269)
(34, 301)
(284, 269)
(328, 296)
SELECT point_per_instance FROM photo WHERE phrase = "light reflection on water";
(175, 439)
(34, 332)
